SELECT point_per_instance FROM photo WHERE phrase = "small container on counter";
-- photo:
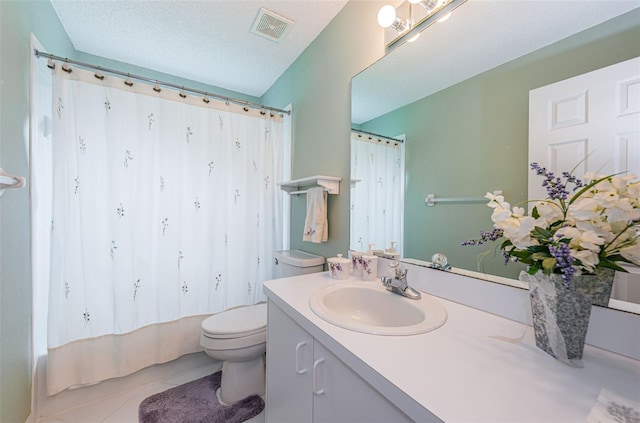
(339, 267)
(369, 267)
(356, 263)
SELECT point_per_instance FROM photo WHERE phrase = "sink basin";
(368, 307)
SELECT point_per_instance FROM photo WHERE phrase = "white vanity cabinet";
(307, 383)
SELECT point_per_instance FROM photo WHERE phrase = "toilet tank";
(296, 262)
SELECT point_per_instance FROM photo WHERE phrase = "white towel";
(316, 225)
(611, 408)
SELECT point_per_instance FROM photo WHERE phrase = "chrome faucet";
(398, 283)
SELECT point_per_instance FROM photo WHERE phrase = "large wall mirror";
(459, 95)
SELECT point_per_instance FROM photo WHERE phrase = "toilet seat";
(237, 323)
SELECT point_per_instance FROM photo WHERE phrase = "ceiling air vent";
(271, 25)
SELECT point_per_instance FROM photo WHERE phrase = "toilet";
(238, 336)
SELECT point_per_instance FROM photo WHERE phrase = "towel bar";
(10, 181)
(431, 199)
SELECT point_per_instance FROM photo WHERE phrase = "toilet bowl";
(238, 338)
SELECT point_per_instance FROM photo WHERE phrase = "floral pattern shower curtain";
(377, 193)
(165, 211)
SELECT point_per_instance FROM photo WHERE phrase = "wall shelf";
(330, 183)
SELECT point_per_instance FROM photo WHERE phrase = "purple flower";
(556, 188)
(485, 236)
(562, 254)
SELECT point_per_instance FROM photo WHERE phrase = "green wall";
(473, 137)
(17, 20)
(318, 84)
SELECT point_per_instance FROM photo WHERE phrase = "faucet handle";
(401, 272)
(396, 270)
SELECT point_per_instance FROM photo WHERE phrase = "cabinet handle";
(317, 391)
(298, 370)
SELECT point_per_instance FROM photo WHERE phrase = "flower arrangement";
(570, 233)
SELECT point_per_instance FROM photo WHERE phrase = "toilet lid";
(237, 322)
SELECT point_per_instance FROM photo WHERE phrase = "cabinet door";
(340, 395)
(289, 367)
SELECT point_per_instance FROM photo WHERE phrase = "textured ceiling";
(205, 41)
(480, 35)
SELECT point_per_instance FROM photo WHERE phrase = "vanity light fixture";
(387, 17)
(429, 5)
(445, 17)
(421, 15)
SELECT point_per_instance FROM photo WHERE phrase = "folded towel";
(611, 408)
(316, 225)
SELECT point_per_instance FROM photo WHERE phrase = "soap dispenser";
(391, 269)
(369, 265)
(392, 253)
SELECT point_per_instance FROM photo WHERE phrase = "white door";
(590, 123)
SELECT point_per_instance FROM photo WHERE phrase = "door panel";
(589, 123)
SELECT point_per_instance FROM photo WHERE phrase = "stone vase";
(561, 315)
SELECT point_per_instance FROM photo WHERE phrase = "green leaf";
(605, 262)
(534, 213)
(520, 254)
(538, 249)
(591, 185)
(533, 269)
(505, 244)
(542, 232)
(540, 256)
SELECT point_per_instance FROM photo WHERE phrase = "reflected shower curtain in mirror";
(377, 193)
(165, 210)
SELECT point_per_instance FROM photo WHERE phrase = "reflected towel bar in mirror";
(431, 199)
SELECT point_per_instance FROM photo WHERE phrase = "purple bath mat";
(196, 402)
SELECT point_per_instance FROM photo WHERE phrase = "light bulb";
(386, 16)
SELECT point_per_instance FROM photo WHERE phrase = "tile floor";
(117, 400)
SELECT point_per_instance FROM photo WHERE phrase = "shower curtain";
(164, 210)
(377, 193)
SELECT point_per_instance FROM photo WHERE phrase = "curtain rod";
(40, 54)
(376, 135)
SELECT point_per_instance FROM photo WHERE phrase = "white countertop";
(478, 367)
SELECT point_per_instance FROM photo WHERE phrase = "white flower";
(622, 210)
(588, 258)
(632, 253)
(548, 211)
(588, 240)
(494, 198)
(584, 209)
(591, 241)
(633, 191)
(518, 230)
(501, 211)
